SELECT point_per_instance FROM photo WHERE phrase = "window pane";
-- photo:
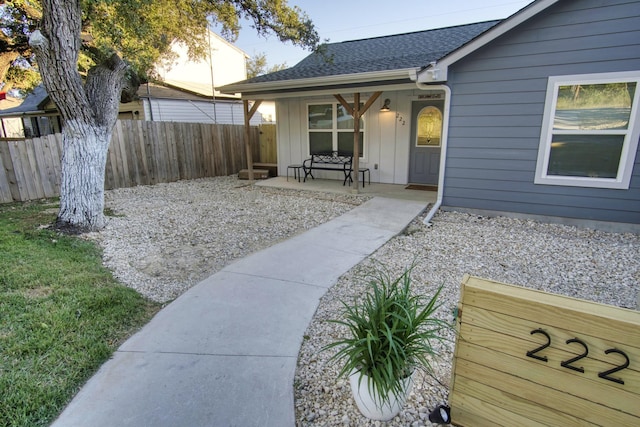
(429, 127)
(596, 156)
(345, 143)
(345, 120)
(594, 107)
(321, 116)
(320, 142)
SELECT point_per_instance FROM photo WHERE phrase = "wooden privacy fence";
(529, 358)
(141, 153)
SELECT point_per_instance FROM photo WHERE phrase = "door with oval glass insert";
(426, 140)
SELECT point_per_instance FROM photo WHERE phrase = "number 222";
(569, 362)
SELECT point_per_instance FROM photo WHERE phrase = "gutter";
(443, 151)
(319, 82)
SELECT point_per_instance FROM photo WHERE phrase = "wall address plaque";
(530, 358)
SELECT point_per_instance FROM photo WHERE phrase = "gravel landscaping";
(582, 263)
(163, 239)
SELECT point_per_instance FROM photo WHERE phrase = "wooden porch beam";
(345, 104)
(370, 102)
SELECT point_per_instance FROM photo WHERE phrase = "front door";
(426, 140)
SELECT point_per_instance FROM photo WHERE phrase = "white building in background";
(224, 64)
(187, 93)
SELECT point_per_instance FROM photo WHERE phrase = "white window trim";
(629, 147)
(335, 130)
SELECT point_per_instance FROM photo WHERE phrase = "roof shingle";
(394, 52)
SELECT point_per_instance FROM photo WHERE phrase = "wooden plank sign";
(529, 358)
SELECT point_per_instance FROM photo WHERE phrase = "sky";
(340, 20)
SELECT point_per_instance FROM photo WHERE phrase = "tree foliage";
(115, 42)
(257, 65)
(141, 31)
(17, 20)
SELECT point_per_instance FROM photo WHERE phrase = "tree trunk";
(89, 112)
(84, 157)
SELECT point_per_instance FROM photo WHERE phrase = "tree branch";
(103, 88)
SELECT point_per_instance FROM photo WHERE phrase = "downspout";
(443, 153)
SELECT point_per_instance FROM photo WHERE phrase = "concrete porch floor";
(393, 191)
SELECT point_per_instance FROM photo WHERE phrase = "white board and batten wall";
(387, 134)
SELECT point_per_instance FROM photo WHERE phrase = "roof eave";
(439, 72)
(315, 82)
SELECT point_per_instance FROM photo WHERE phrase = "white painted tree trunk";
(84, 158)
(89, 111)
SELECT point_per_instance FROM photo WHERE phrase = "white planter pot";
(370, 405)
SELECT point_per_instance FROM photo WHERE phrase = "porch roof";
(384, 58)
(390, 61)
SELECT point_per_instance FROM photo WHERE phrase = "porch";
(393, 191)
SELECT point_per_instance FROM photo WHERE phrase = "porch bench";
(332, 160)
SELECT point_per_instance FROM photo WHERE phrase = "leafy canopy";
(141, 31)
(257, 66)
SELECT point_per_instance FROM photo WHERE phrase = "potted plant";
(390, 334)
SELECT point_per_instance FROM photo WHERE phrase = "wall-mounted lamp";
(385, 106)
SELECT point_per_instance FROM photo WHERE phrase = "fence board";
(137, 137)
(130, 148)
(20, 161)
(122, 154)
(5, 190)
(32, 171)
(196, 152)
(217, 151)
(40, 155)
(51, 156)
(170, 138)
(150, 152)
(141, 153)
(206, 149)
(187, 159)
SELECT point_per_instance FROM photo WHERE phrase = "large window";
(590, 131)
(331, 129)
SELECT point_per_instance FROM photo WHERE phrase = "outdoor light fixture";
(385, 107)
(440, 415)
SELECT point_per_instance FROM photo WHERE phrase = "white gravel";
(592, 265)
(164, 239)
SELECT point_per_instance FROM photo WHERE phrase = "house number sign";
(527, 358)
(570, 363)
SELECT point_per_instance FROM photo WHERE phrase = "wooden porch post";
(356, 140)
(248, 114)
(356, 113)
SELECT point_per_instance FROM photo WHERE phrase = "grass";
(62, 314)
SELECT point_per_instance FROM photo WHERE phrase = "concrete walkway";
(225, 352)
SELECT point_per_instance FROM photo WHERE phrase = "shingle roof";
(394, 52)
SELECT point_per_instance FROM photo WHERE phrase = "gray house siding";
(497, 106)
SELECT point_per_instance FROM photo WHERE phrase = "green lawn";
(62, 314)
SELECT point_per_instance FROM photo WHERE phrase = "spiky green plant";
(390, 333)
